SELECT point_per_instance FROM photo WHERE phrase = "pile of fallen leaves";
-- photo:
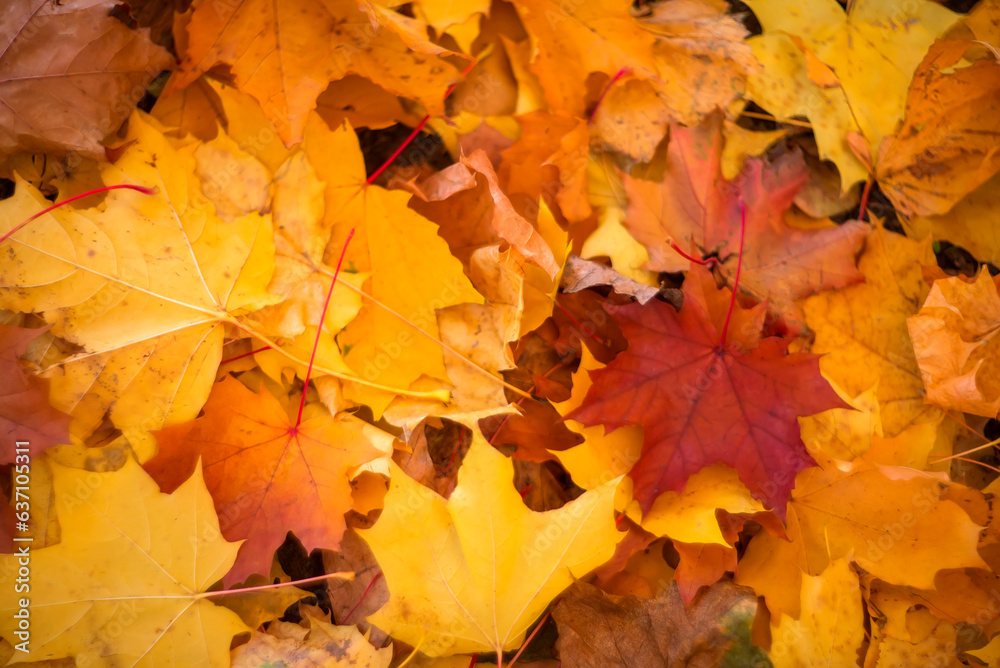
(580, 333)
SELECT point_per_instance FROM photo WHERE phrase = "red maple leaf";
(701, 401)
(694, 207)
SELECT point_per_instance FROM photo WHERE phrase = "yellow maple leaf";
(862, 329)
(126, 584)
(873, 48)
(973, 223)
(830, 630)
(175, 273)
(472, 573)
(394, 340)
(891, 519)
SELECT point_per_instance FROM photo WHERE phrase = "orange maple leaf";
(266, 475)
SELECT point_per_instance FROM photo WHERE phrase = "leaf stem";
(864, 198)
(361, 600)
(975, 449)
(347, 575)
(691, 258)
(736, 280)
(416, 130)
(575, 322)
(768, 117)
(527, 641)
(143, 189)
(239, 357)
(319, 328)
(618, 75)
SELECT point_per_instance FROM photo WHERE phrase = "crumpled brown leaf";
(601, 630)
(353, 600)
(581, 274)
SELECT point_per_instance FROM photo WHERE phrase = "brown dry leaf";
(597, 630)
(322, 645)
(69, 74)
(949, 143)
(351, 601)
(956, 338)
(581, 274)
(533, 432)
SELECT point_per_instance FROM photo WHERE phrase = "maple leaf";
(66, 68)
(956, 344)
(896, 522)
(473, 572)
(321, 644)
(943, 152)
(534, 433)
(25, 413)
(700, 404)
(666, 56)
(861, 329)
(266, 475)
(354, 599)
(694, 207)
(285, 55)
(176, 275)
(552, 147)
(686, 517)
(599, 629)
(473, 212)
(973, 223)
(872, 49)
(830, 629)
(130, 558)
(395, 338)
